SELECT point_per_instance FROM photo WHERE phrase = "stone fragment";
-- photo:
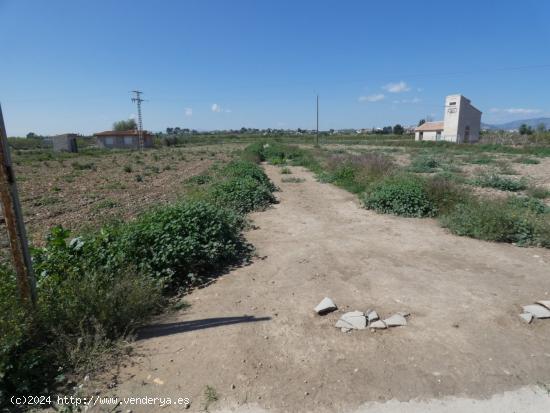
(378, 324)
(325, 306)
(395, 320)
(527, 317)
(343, 324)
(357, 319)
(544, 303)
(372, 316)
(537, 310)
(404, 313)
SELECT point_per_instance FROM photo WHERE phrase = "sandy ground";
(254, 338)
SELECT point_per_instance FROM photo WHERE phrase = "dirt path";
(253, 337)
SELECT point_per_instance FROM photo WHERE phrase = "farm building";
(65, 142)
(128, 139)
(461, 124)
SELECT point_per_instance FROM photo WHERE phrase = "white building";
(461, 124)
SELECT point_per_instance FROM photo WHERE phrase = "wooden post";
(14, 222)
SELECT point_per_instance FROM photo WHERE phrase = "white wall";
(458, 117)
(427, 136)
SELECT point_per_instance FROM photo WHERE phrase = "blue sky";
(204, 64)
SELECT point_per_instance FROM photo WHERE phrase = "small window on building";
(128, 140)
(109, 141)
(452, 103)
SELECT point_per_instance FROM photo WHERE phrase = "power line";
(138, 100)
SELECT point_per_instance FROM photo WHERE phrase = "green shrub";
(245, 169)
(242, 194)
(182, 241)
(424, 164)
(492, 180)
(78, 317)
(499, 220)
(286, 171)
(403, 195)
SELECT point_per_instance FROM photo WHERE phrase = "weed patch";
(403, 195)
(492, 180)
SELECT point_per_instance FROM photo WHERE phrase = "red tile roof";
(430, 126)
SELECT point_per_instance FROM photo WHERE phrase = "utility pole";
(15, 225)
(138, 100)
(317, 134)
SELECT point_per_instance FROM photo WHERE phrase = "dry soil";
(254, 338)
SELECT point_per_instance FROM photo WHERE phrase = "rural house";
(461, 124)
(128, 139)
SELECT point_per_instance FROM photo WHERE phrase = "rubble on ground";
(358, 320)
(541, 309)
(325, 306)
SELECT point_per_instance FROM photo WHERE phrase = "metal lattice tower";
(138, 100)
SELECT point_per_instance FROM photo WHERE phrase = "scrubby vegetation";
(406, 191)
(403, 195)
(492, 180)
(99, 287)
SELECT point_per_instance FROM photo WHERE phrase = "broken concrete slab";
(379, 324)
(395, 320)
(325, 306)
(343, 324)
(544, 303)
(357, 319)
(527, 317)
(537, 310)
(372, 316)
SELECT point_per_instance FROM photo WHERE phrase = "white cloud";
(188, 111)
(516, 111)
(217, 109)
(372, 98)
(396, 87)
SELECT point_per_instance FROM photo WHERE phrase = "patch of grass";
(83, 166)
(139, 178)
(492, 180)
(424, 164)
(106, 204)
(293, 180)
(285, 171)
(505, 168)
(128, 168)
(481, 160)
(46, 200)
(507, 220)
(527, 160)
(538, 192)
(210, 396)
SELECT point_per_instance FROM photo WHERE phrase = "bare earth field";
(87, 191)
(254, 339)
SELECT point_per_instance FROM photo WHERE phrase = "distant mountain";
(517, 123)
